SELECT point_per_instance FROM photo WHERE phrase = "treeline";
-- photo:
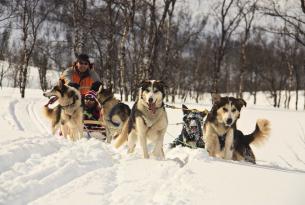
(229, 47)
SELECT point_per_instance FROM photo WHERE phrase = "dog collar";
(65, 106)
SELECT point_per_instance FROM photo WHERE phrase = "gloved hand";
(95, 86)
(75, 85)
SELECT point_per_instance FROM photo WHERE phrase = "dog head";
(152, 93)
(104, 93)
(226, 110)
(192, 123)
(63, 93)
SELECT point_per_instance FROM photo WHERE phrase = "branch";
(303, 5)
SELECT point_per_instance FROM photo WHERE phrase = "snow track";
(38, 168)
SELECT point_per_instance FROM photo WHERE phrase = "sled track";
(12, 108)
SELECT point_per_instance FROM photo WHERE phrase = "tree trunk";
(242, 70)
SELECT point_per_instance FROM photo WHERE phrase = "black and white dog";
(191, 134)
(147, 120)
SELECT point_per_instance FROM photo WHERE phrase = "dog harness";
(222, 141)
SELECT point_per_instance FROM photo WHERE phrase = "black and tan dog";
(147, 121)
(68, 115)
(223, 139)
(191, 134)
(114, 112)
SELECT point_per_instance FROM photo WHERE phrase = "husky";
(114, 112)
(147, 120)
(191, 135)
(223, 139)
(68, 115)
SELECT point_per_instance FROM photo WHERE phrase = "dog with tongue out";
(147, 120)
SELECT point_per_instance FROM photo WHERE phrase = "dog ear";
(215, 98)
(143, 83)
(203, 114)
(162, 83)
(241, 102)
(100, 89)
(185, 110)
(61, 83)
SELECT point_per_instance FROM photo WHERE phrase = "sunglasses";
(83, 63)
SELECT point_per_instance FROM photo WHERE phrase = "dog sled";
(94, 129)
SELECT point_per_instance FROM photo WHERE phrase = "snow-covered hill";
(38, 168)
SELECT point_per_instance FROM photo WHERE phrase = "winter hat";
(91, 94)
(83, 57)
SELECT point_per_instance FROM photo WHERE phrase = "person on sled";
(92, 113)
(92, 108)
(81, 75)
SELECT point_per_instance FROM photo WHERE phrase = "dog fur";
(147, 121)
(191, 134)
(223, 139)
(68, 115)
(114, 112)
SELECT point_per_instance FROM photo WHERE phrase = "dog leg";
(108, 135)
(141, 130)
(132, 140)
(64, 130)
(80, 129)
(143, 142)
(158, 149)
(228, 152)
(72, 133)
(54, 128)
(212, 144)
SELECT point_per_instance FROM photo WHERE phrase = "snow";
(38, 168)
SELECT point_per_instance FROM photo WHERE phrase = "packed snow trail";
(38, 168)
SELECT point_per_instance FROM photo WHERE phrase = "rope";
(186, 144)
(178, 123)
(193, 110)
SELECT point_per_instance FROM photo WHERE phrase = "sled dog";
(147, 120)
(114, 112)
(68, 115)
(191, 134)
(223, 139)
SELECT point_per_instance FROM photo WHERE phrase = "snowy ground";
(38, 168)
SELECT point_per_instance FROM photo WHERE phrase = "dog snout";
(229, 121)
(193, 123)
(150, 100)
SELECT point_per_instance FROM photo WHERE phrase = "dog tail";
(121, 112)
(123, 135)
(260, 134)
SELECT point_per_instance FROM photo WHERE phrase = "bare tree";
(248, 10)
(79, 16)
(295, 21)
(128, 13)
(31, 15)
(228, 22)
(154, 37)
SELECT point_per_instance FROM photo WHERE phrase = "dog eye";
(225, 109)
(234, 110)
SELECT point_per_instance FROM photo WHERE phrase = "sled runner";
(94, 129)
